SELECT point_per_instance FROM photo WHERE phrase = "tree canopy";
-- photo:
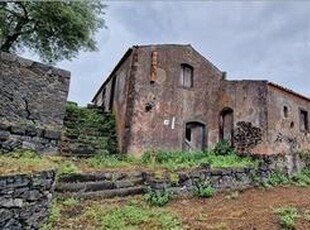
(55, 30)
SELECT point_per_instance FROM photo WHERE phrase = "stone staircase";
(104, 185)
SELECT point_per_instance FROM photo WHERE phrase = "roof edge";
(288, 90)
(120, 62)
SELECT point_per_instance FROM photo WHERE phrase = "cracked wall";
(32, 104)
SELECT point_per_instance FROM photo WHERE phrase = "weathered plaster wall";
(172, 105)
(25, 200)
(32, 104)
(284, 133)
(248, 99)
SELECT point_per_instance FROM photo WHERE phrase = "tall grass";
(177, 160)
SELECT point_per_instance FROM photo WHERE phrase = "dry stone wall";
(25, 200)
(32, 104)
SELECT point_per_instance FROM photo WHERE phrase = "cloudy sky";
(253, 40)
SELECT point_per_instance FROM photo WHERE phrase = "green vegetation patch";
(302, 179)
(90, 127)
(132, 214)
(24, 162)
(178, 160)
(137, 216)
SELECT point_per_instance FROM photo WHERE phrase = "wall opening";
(226, 125)
(112, 94)
(285, 111)
(304, 124)
(187, 76)
(195, 136)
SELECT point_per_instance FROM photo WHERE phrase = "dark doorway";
(227, 125)
(195, 136)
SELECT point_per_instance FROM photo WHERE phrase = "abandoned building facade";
(170, 97)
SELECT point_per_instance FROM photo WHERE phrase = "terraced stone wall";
(25, 200)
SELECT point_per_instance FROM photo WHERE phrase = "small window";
(285, 111)
(304, 125)
(187, 76)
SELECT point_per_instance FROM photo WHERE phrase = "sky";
(247, 39)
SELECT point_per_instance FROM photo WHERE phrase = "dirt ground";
(248, 210)
(251, 209)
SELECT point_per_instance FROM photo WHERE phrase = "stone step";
(91, 177)
(62, 187)
(121, 192)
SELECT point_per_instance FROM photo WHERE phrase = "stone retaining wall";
(32, 104)
(25, 199)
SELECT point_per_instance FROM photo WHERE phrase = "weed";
(287, 216)
(277, 178)
(67, 167)
(205, 191)
(54, 215)
(133, 216)
(158, 198)
(223, 148)
(302, 179)
(177, 160)
(70, 202)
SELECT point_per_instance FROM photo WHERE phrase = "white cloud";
(258, 39)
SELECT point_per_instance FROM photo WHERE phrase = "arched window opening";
(226, 125)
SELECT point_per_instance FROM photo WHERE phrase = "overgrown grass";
(301, 179)
(24, 162)
(178, 160)
(28, 161)
(133, 216)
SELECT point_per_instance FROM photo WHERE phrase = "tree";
(55, 30)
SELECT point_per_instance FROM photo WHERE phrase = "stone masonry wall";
(25, 199)
(32, 104)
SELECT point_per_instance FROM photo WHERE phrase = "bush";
(158, 198)
(277, 178)
(223, 148)
(302, 179)
(204, 191)
(287, 216)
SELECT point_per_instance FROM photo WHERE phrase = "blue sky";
(252, 40)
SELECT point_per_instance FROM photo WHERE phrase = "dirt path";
(249, 210)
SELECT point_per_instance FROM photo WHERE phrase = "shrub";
(287, 216)
(158, 198)
(302, 179)
(204, 191)
(277, 178)
(223, 148)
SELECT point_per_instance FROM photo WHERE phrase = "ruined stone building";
(170, 97)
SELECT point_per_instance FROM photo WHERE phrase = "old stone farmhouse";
(171, 97)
